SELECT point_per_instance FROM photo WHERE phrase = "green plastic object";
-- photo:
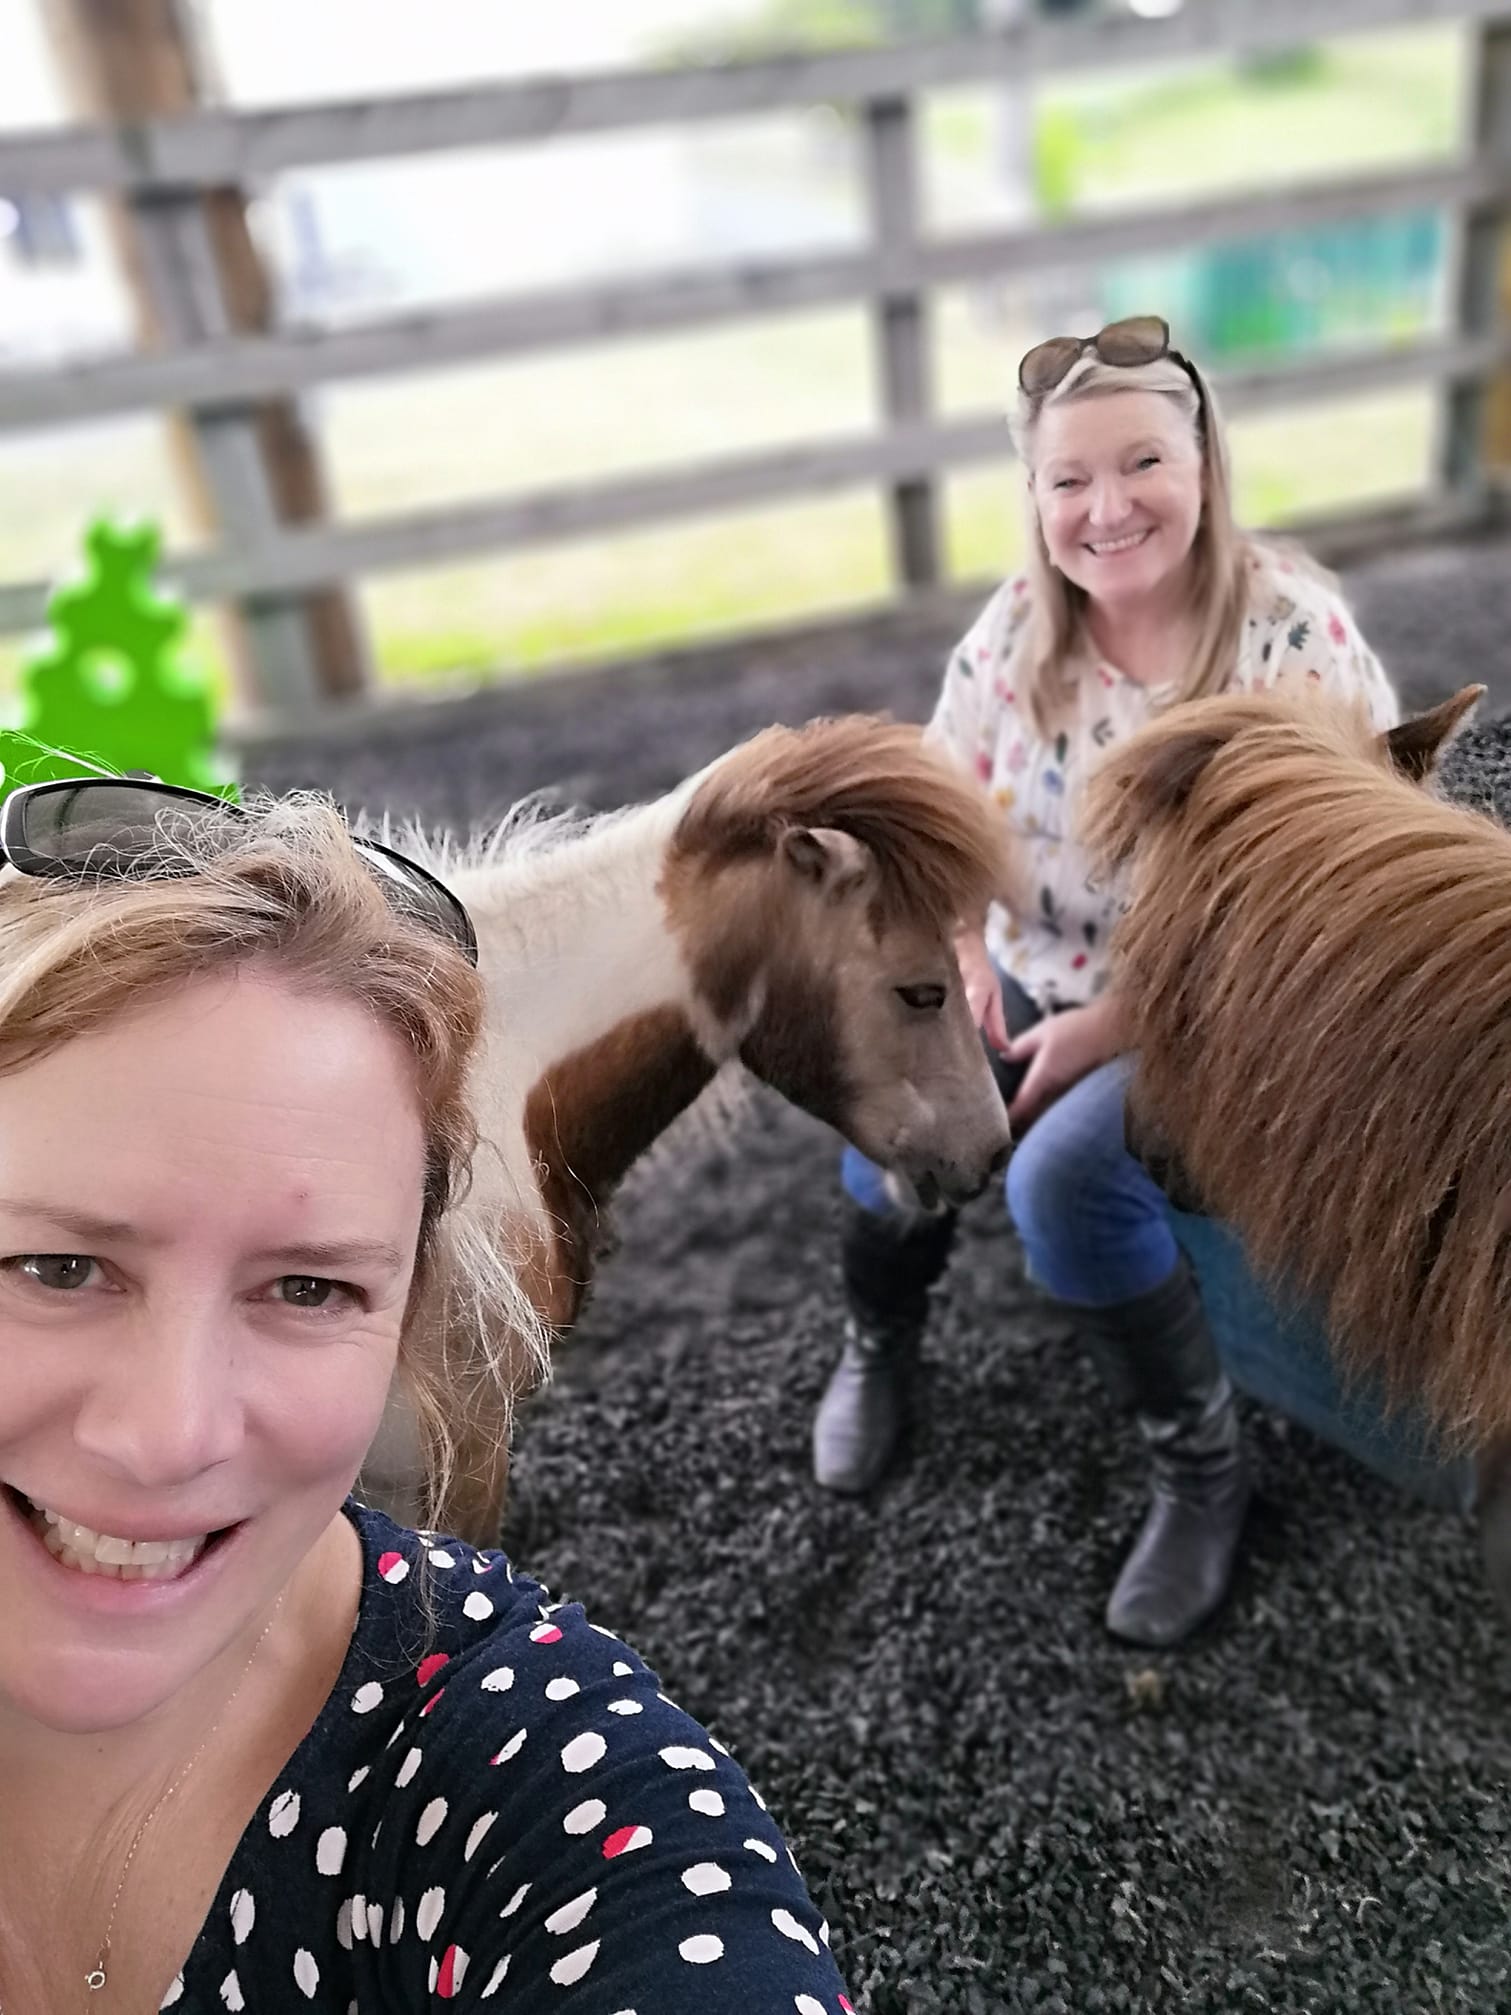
(108, 686)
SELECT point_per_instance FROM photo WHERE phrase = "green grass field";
(409, 443)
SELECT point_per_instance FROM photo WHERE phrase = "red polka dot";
(392, 1566)
(545, 1633)
(429, 1667)
(449, 1979)
(433, 1702)
(625, 1841)
(846, 2005)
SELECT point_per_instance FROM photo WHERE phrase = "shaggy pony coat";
(1316, 962)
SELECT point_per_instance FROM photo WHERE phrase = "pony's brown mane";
(1317, 964)
(939, 851)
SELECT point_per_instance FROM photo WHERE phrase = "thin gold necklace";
(97, 1978)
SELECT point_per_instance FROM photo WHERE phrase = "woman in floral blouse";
(1139, 591)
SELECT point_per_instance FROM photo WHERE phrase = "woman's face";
(1117, 484)
(208, 1219)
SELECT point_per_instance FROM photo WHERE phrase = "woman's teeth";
(77, 1546)
(1123, 545)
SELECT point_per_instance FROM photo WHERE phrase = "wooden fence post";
(901, 324)
(194, 274)
(1475, 428)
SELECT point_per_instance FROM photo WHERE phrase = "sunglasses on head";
(1140, 339)
(83, 827)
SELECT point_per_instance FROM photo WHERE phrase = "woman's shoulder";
(1286, 586)
(499, 1787)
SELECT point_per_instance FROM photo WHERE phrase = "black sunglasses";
(1139, 339)
(85, 826)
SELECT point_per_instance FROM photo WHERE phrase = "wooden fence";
(162, 168)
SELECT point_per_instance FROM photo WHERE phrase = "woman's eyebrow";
(312, 1254)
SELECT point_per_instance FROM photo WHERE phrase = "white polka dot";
(582, 1752)
(477, 1606)
(715, 1743)
(623, 1671)
(375, 1923)
(571, 1969)
(758, 1798)
(439, 1557)
(708, 1802)
(687, 1759)
(512, 1747)
(175, 1993)
(806, 2005)
(626, 1707)
(823, 1930)
(602, 1632)
(426, 1918)
(499, 1680)
(397, 1733)
(357, 1917)
(283, 1814)
(396, 1921)
(367, 1697)
(357, 1777)
(789, 1927)
(344, 1925)
(705, 1878)
(243, 1916)
(496, 1978)
(330, 1851)
(570, 1915)
(230, 1993)
(409, 1766)
(562, 1689)
(430, 1822)
(480, 1563)
(702, 1950)
(478, 1834)
(306, 1974)
(396, 1571)
(515, 1900)
(583, 1818)
(763, 1848)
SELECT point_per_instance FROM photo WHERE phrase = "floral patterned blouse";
(1298, 629)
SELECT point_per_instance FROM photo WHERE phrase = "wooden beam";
(290, 561)
(292, 359)
(194, 272)
(208, 149)
(900, 329)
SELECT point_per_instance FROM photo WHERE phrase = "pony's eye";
(923, 999)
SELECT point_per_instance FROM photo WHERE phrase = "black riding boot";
(1156, 1356)
(889, 1264)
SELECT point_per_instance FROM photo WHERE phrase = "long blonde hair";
(1043, 674)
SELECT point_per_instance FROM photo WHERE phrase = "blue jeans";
(1097, 1230)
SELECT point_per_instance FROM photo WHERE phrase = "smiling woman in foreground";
(260, 1748)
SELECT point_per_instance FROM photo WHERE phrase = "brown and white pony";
(1316, 961)
(789, 909)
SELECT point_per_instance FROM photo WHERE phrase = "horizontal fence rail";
(294, 560)
(162, 167)
(209, 149)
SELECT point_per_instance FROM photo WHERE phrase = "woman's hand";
(983, 990)
(1059, 1052)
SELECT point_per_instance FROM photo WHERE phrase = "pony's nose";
(1000, 1159)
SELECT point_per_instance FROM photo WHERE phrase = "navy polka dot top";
(497, 1806)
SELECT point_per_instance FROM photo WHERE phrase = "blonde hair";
(280, 885)
(1220, 552)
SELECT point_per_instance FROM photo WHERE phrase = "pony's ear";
(1415, 745)
(1169, 769)
(834, 861)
